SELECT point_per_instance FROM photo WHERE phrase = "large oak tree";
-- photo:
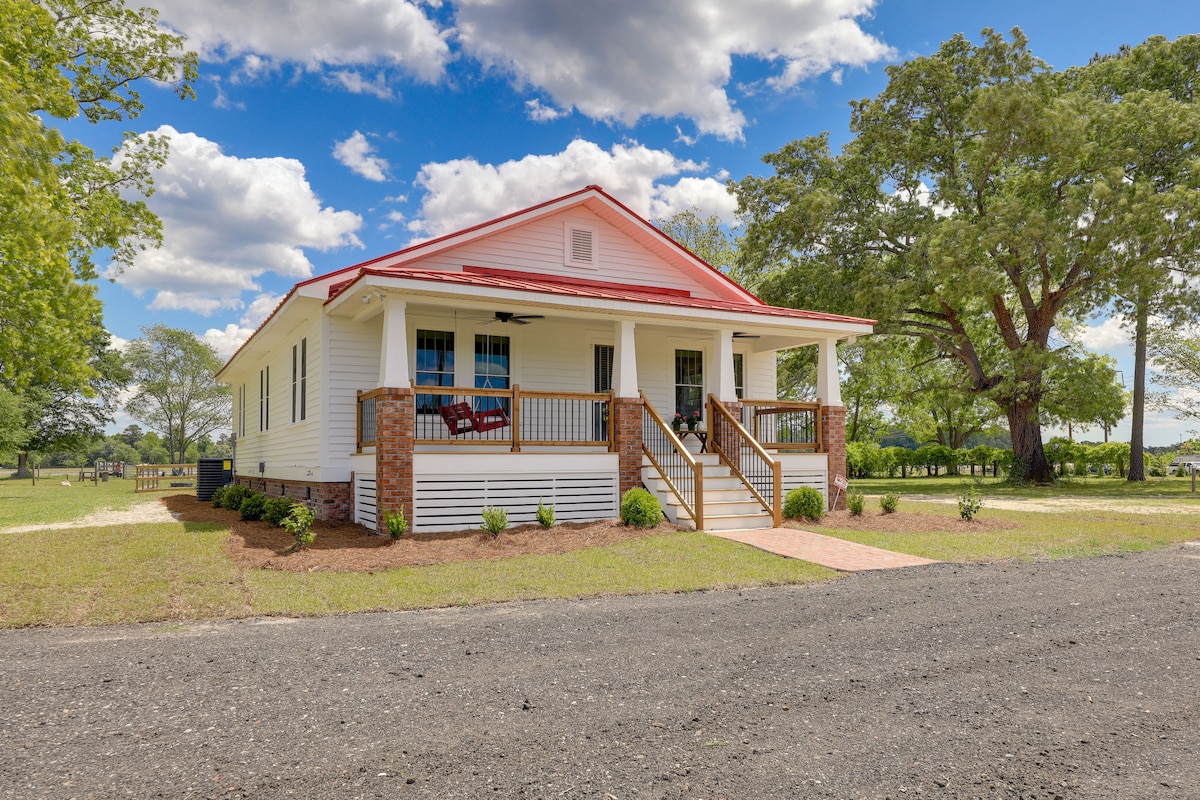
(981, 199)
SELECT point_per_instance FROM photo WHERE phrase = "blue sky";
(342, 131)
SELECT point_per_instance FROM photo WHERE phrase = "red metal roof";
(490, 278)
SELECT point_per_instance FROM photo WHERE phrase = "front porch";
(445, 456)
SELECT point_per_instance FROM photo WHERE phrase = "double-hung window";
(300, 380)
(689, 381)
(434, 367)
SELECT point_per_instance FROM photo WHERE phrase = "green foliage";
(969, 504)
(707, 238)
(232, 499)
(804, 503)
(218, 497)
(640, 509)
(252, 507)
(61, 203)
(298, 523)
(983, 199)
(495, 520)
(855, 500)
(177, 390)
(545, 515)
(889, 502)
(1177, 357)
(397, 525)
(276, 510)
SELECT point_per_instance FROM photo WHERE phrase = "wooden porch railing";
(365, 420)
(513, 417)
(784, 425)
(679, 468)
(746, 458)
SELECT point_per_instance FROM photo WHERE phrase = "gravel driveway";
(1071, 679)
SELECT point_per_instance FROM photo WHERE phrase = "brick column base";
(395, 428)
(833, 443)
(627, 440)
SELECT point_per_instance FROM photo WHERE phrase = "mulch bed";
(346, 547)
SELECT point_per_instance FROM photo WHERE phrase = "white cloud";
(706, 194)
(1106, 336)
(463, 192)
(355, 83)
(536, 111)
(313, 33)
(627, 59)
(355, 153)
(227, 221)
(227, 340)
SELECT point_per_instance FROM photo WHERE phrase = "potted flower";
(677, 422)
(693, 420)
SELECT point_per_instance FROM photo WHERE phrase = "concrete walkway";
(827, 551)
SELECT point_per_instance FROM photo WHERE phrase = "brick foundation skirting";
(833, 441)
(333, 502)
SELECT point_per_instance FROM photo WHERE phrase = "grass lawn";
(22, 503)
(1036, 535)
(1170, 488)
(179, 571)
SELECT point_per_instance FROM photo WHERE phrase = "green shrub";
(219, 496)
(397, 525)
(545, 514)
(969, 504)
(277, 509)
(854, 501)
(252, 507)
(495, 519)
(298, 523)
(639, 509)
(234, 495)
(1180, 472)
(889, 502)
(804, 503)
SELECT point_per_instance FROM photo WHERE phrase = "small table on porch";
(699, 434)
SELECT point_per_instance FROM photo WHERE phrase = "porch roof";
(586, 289)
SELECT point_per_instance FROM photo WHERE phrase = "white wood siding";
(538, 246)
(288, 450)
(805, 469)
(451, 489)
(351, 365)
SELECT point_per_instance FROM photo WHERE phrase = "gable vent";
(580, 246)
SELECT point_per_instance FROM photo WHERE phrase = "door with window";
(689, 382)
(602, 359)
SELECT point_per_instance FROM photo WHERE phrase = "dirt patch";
(902, 522)
(346, 547)
(153, 511)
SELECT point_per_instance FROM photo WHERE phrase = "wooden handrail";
(775, 509)
(695, 510)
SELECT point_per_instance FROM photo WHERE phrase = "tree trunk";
(22, 465)
(1137, 466)
(1029, 458)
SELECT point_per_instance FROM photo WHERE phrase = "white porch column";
(625, 382)
(722, 367)
(829, 387)
(393, 355)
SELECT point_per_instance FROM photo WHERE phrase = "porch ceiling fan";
(741, 335)
(518, 319)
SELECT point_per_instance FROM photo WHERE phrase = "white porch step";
(737, 522)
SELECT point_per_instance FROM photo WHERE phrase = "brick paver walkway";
(827, 551)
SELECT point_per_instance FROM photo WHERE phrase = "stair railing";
(678, 467)
(746, 459)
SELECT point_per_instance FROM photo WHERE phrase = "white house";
(540, 356)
